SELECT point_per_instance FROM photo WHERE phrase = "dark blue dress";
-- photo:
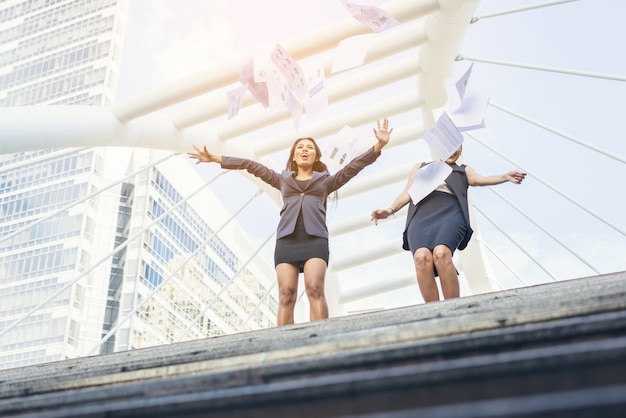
(440, 218)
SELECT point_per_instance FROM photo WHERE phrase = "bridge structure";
(540, 330)
(421, 56)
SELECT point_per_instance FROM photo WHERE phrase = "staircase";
(551, 350)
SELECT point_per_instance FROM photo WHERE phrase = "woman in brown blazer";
(302, 233)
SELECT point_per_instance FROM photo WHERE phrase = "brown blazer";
(311, 200)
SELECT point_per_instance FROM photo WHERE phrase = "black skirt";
(298, 247)
(438, 220)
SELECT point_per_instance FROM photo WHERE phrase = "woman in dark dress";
(439, 224)
(302, 233)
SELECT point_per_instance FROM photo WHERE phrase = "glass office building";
(136, 261)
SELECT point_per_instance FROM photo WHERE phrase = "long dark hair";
(318, 165)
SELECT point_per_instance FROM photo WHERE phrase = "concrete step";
(522, 342)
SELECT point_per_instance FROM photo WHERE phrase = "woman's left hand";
(382, 134)
(515, 176)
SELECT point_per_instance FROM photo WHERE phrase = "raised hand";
(204, 156)
(382, 134)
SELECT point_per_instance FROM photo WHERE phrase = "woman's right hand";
(381, 214)
(204, 156)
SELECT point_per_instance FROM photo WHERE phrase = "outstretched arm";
(266, 174)
(399, 202)
(475, 179)
(382, 134)
(204, 156)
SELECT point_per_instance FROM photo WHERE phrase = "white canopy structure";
(424, 49)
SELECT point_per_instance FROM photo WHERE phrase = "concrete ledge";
(507, 342)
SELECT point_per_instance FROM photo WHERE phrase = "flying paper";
(427, 179)
(235, 98)
(317, 96)
(374, 18)
(291, 71)
(466, 107)
(259, 90)
(351, 52)
(341, 149)
(444, 138)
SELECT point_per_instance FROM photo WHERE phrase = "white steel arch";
(431, 33)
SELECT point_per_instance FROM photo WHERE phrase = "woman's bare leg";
(314, 274)
(442, 257)
(287, 275)
(424, 270)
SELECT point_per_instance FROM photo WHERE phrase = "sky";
(166, 41)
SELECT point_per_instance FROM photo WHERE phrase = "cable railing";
(510, 238)
(572, 138)
(41, 159)
(83, 199)
(181, 265)
(545, 231)
(543, 68)
(258, 305)
(503, 261)
(549, 185)
(106, 257)
(209, 305)
(520, 9)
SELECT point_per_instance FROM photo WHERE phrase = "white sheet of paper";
(444, 137)
(374, 18)
(341, 149)
(461, 84)
(354, 9)
(263, 65)
(235, 98)
(377, 19)
(290, 69)
(427, 179)
(258, 90)
(294, 106)
(455, 91)
(351, 52)
(276, 89)
(470, 114)
(317, 98)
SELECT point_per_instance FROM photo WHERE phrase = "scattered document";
(341, 149)
(470, 115)
(317, 97)
(427, 179)
(259, 90)
(461, 84)
(465, 107)
(235, 98)
(276, 90)
(444, 138)
(351, 52)
(263, 66)
(374, 18)
(294, 106)
(291, 71)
